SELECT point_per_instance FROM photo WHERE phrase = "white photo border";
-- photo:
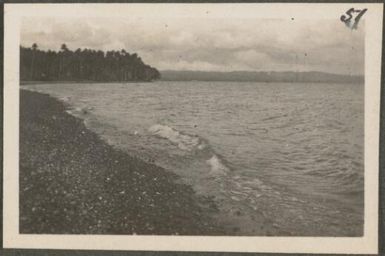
(367, 244)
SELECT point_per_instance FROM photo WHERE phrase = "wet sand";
(72, 182)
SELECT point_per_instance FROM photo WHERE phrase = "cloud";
(210, 44)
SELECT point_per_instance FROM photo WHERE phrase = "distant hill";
(251, 76)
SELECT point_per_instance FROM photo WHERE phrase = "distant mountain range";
(262, 76)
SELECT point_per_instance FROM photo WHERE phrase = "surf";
(193, 144)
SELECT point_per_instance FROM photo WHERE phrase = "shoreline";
(26, 83)
(72, 182)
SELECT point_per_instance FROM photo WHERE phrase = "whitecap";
(183, 141)
(217, 167)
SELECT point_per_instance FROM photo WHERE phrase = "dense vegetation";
(83, 65)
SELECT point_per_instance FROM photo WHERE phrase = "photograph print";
(180, 125)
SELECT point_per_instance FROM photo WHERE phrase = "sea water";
(276, 158)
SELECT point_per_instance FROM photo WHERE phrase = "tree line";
(83, 65)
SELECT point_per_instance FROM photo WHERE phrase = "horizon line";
(257, 71)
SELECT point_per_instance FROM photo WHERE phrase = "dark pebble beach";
(72, 182)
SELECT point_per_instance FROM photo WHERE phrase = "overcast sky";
(215, 44)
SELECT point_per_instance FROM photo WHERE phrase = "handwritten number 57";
(347, 19)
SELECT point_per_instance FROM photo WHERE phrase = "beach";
(72, 182)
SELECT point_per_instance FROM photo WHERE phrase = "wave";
(183, 141)
(216, 165)
(192, 144)
(79, 111)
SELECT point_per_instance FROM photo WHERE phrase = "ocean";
(278, 159)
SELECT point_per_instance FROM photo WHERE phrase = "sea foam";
(191, 143)
(217, 167)
(183, 141)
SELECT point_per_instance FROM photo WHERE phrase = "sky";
(210, 44)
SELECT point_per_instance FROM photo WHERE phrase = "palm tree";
(64, 47)
(34, 49)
